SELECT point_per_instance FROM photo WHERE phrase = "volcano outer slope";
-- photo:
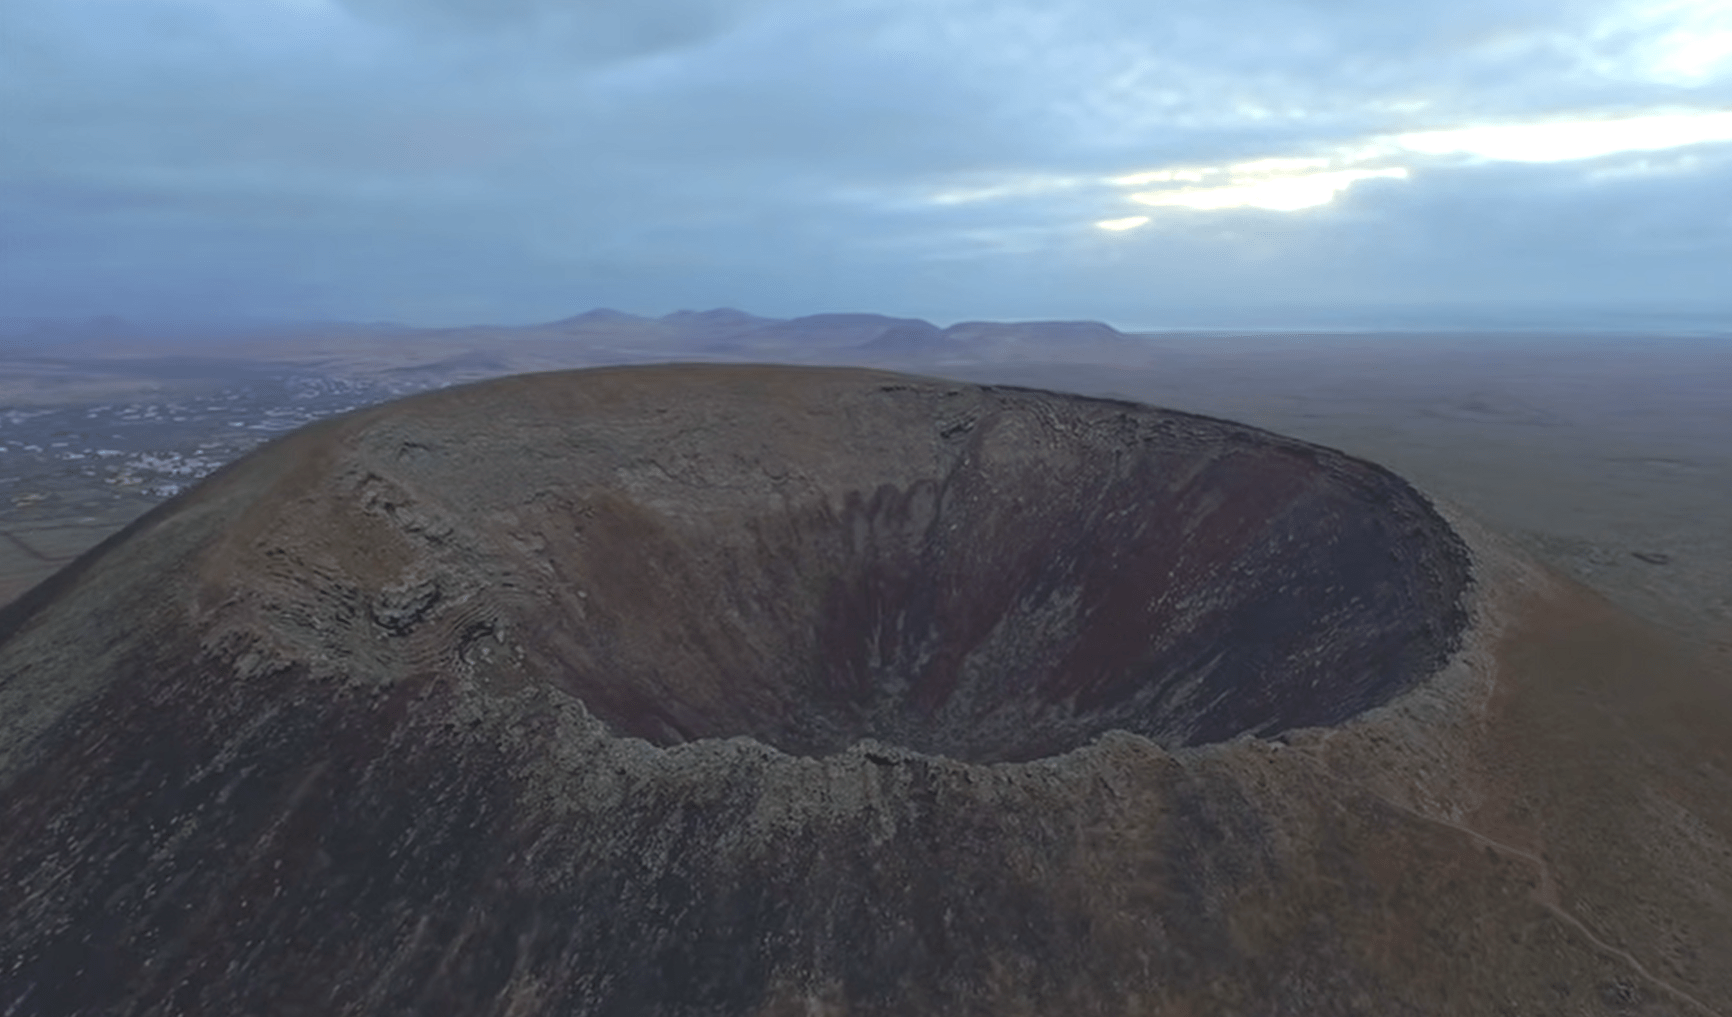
(286, 746)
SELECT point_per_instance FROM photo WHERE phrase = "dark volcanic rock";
(778, 691)
(1052, 332)
(844, 330)
(598, 316)
(717, 317)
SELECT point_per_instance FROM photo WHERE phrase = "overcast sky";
(1144, 163)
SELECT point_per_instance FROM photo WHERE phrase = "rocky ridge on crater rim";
(759, 690)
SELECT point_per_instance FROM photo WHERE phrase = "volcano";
(765, 690)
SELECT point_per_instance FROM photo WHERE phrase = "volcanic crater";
(773, 690)
(988, 575)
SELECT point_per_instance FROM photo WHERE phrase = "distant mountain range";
(601, 335)
(877, 333)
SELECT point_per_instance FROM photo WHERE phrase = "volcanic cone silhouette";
(752, 690)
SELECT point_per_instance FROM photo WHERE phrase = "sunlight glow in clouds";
(1281, 191)
(1565, 140)
(1689, 57)
(1018, 187)
(1291, 184)
(1683, 42)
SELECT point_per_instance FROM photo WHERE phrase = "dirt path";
(1545, 894)
(30, 554)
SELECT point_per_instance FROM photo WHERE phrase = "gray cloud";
(446, 160)
(594, 29)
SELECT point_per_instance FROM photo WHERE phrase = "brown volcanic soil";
(774, 690)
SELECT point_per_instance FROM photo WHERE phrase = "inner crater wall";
(987, 574)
